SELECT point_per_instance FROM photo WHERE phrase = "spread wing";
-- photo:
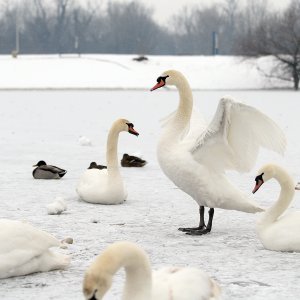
(233, 138)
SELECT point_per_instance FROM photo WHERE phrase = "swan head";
(125, 125)
(40, 163)
(96, 285)
(170, 77)
(264, 174)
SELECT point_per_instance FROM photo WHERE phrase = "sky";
(164, 9)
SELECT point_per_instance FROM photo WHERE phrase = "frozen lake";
(47, 125)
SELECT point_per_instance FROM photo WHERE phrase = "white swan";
(25, 249)
(231, 141)
(168, 283)
(106, 186)
(277, 232)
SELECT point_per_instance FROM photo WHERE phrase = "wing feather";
(234, 136)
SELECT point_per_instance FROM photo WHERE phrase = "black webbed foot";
(191, 229)
(199, 232)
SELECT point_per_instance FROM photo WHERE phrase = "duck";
(106, 186)
(195, 157)
(277, 229)
(141, 283)
(25, 249)
(93, 165)
(132, 161)
(44, 171)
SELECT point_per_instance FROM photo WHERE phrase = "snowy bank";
(122, 72)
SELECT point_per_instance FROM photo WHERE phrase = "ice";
(47, 124)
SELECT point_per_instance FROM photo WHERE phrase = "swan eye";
(130, 125)
(162, 78)
(259, 177)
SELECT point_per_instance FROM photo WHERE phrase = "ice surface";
(47, 125)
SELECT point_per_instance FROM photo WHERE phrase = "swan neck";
(285, 197)
(185, 106)
(138, 281)
(112, 150)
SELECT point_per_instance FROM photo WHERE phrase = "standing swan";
(106, 186)
(196, 161)
(141, 284)
(277, 232)
(25, 249)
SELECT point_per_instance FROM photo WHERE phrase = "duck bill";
(34, 166)
(158, 85)
(132, 131)
(258, 184)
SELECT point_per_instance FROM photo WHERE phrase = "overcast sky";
(164, 9)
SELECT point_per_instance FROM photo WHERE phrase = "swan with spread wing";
(195, 158)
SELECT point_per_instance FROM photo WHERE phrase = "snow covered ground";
(122, 72)
(47, 125)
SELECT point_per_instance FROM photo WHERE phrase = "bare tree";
(278, 35)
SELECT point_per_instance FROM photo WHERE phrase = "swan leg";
(208, 227)
(201, 226)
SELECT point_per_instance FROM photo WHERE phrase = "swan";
(276, 231)
(44, 171)
(141, 283)
(106, 186)
(25, 249)
(195, 158)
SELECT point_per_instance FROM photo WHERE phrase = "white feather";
(25, 249)
(235, 135)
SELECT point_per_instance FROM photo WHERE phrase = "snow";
(46, 125)
(57, 206)
(122, 72)
(84, 141)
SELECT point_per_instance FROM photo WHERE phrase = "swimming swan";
(277, 232)
(106, 186)
(25, 249)
(141, 284)
(196, 160)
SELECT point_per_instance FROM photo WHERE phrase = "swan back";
(184, 284)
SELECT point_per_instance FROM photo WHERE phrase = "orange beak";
(133, 131)
(158, 85)
(258, 184)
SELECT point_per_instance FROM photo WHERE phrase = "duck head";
(40, 163)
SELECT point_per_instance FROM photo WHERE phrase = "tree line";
(66, 26)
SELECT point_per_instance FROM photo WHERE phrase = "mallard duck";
(93, 165)
(44, 171)
(132, 161)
